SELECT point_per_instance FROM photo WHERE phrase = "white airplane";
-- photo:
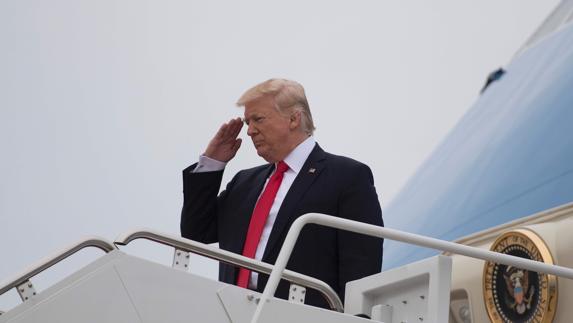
(503, 180)
(499, 186)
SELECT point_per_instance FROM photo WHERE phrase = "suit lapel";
(308, 174)
(246, 211)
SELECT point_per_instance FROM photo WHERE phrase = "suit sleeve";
(359, 255)
(201, 204)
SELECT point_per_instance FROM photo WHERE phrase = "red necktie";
(258, 219)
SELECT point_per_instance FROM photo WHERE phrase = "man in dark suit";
(253, 214)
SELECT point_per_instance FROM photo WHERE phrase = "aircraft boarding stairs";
(119, 287)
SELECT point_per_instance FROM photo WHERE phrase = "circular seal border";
(548, 283)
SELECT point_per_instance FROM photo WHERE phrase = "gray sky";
(102, 103)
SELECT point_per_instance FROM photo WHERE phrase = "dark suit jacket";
(339, 186)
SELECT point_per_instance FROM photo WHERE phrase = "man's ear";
(295, 120)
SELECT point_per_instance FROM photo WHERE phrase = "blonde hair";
(288, 96)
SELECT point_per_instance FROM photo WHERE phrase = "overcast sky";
(103, 103)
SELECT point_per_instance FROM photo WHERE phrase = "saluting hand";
(225, 144)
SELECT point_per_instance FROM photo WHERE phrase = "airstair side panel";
(94, 295)
(122, 288)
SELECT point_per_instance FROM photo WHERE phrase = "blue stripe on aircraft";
(510, 156)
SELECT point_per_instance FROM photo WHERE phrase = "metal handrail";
(381, 232)
(234, 259)
(48, 262)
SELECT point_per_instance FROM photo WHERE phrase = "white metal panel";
(122, 288)
(281, 311)
(239, 303)
(418, 292)
(95, 298)
(163, 294)
(126, 289)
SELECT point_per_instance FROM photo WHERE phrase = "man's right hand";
(224, 146)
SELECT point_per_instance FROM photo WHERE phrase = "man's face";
(269, 130)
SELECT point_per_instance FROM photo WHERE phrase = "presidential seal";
(516, 295)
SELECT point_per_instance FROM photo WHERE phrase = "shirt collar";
(296, 159)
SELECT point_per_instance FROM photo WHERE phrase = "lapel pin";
(312, 170)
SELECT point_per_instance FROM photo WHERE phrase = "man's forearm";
(199, 213)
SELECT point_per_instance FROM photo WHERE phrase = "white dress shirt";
(295, 160)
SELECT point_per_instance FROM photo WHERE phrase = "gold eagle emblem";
(516, 295)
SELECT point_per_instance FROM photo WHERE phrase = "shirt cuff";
(207, 164)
